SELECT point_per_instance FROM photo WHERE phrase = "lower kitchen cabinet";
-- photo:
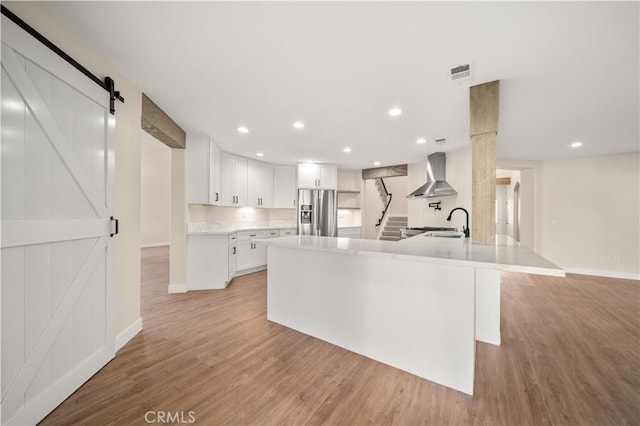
(207, 261)
(213, 260)
(233, 254)
(250, 254)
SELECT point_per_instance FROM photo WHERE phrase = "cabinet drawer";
(273, 233)
(249, 235)
(287, 232)
(232, 239)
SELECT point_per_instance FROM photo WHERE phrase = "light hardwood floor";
(569, 356)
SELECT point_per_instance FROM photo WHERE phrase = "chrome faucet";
(465, 230)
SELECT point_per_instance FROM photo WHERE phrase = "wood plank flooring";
(570, 356)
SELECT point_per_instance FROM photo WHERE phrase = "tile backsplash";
(227, 216)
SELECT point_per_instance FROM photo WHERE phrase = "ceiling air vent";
(460, 74)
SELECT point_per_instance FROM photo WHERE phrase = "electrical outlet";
(554, 221)
(616, 259)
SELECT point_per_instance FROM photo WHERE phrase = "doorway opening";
(508, 203)
(155, 211)
(516, 212)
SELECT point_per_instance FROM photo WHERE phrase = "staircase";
(391, 231)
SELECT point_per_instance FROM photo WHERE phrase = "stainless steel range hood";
(436, 185)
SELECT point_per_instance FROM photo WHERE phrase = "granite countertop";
(505, 254)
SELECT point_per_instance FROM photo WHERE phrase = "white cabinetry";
(234, 181)
(321, 176)
(250, 254)
(328, 176)
(284, 187)
(203, 167)
(213, 260)
(207, 258)
(289, 232)
(215, 174)
(233, 254)
(260, 184)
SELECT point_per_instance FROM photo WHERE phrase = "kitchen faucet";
(465, 230)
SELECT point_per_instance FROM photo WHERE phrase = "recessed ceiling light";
(421, 141)
(576, 145)
(298, 125)
(259, 154)
(243, 129)
(394, 112)
(377, 163)
(347, 149)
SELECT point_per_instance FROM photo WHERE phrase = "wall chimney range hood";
(436, 185)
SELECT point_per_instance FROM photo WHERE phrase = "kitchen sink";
(444, 234)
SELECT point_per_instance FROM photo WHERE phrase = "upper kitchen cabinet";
(317, 176)
(215, 174)
(204, 171)
(234, 181)
(260, 188)
(284, 187)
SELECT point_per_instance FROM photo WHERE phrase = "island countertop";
(505, 254)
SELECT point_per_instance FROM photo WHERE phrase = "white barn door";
(57, 175)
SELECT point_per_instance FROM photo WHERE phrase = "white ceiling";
(567, 71)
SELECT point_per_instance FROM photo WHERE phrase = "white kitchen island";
(418, 305)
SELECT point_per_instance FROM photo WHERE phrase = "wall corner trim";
(177, 288)
(128, 334)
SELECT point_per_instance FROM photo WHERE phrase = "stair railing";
(386, 207)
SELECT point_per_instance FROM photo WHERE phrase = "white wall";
(459, 177)
(590, 215)
(127, 191)
(397, 186)
(349, 180)
(373, 206)
(155, 209)
(178, 251)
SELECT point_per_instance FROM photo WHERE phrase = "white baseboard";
(600, 273)
(250, 271)
(128, 334)
(177, 288)
(147, 245)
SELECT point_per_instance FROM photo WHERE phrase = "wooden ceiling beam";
(158, 124)
(383, 172)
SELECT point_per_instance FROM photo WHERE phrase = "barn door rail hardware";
(107, 84)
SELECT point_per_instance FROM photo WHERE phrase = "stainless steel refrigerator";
(317, 212)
